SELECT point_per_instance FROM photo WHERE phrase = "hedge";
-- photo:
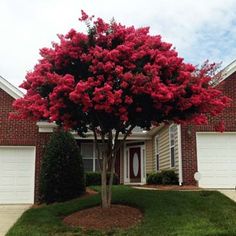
(94, 178)
(164, 177)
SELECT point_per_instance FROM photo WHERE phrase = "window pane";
(87, 150)
(157, 162)
(172, 154)
(88, 164)
(101, 148)
(172, 141)
(172, 128)
(157, 144)
(97, 165)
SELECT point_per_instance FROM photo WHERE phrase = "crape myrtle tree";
(112, 79)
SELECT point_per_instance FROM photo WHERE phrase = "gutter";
(180, 155)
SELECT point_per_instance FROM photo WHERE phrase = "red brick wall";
(188, 133)
(20, 133)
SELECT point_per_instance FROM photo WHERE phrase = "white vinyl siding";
(149, 156)
(164, 149)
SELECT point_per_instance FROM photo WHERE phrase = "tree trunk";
(105, 203)
(113, 145)
(106, 191)
(109, 193)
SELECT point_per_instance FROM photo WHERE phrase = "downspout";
(180, 155)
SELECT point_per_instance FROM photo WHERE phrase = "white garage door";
(216, 154)
(17, 171)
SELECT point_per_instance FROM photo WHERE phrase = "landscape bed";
(182, 213)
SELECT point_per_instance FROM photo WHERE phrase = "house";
(21, 147)
(200, 155)
(190, 151)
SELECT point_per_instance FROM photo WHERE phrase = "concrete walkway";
(229, 193)
(9, 215)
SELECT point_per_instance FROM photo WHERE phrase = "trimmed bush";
(154, 178)
(94, 178)
(163, 177)
(169, 177)
(62, 174)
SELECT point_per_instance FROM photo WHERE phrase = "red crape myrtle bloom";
(113, 77)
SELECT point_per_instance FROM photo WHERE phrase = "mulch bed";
(89, 192)
(170, 187)
(118, 216)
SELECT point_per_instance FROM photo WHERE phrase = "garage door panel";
(216, 155)
(23, 180)
(21, 196)
(217, 166)
(17, 167)
(220, 179)
(216, 152)
(7, 180)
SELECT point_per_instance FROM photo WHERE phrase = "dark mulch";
(118, 216)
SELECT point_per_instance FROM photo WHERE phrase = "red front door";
(135, 164)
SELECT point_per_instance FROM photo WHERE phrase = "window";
(157, 156)
(172, 131)
(90, 157)
(87, 153)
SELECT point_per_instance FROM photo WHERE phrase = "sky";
(199, 30)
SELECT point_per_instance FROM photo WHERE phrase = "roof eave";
(10, 89)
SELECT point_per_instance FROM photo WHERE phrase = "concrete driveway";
(9, 215)
(229, 193)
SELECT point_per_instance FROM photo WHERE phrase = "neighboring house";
(184, 149)
(21, 147)
(192, 149)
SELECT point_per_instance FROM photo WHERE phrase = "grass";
(165, 213)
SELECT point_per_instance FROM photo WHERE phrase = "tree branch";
(97, 147)
(124, 138)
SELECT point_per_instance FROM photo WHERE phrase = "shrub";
(154, 178)
(62, 174)
(169, 177)
(163, 177)
(94, 178)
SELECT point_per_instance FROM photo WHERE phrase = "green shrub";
(94, 178)
(62, 174)
(154, 178)
(163, 177)
(169, 177)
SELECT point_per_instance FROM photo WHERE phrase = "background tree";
(62, 173)
(112, 79)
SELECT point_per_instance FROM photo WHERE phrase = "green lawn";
(165, 213)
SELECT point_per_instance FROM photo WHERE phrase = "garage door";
(216, 154)
(17, 171)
